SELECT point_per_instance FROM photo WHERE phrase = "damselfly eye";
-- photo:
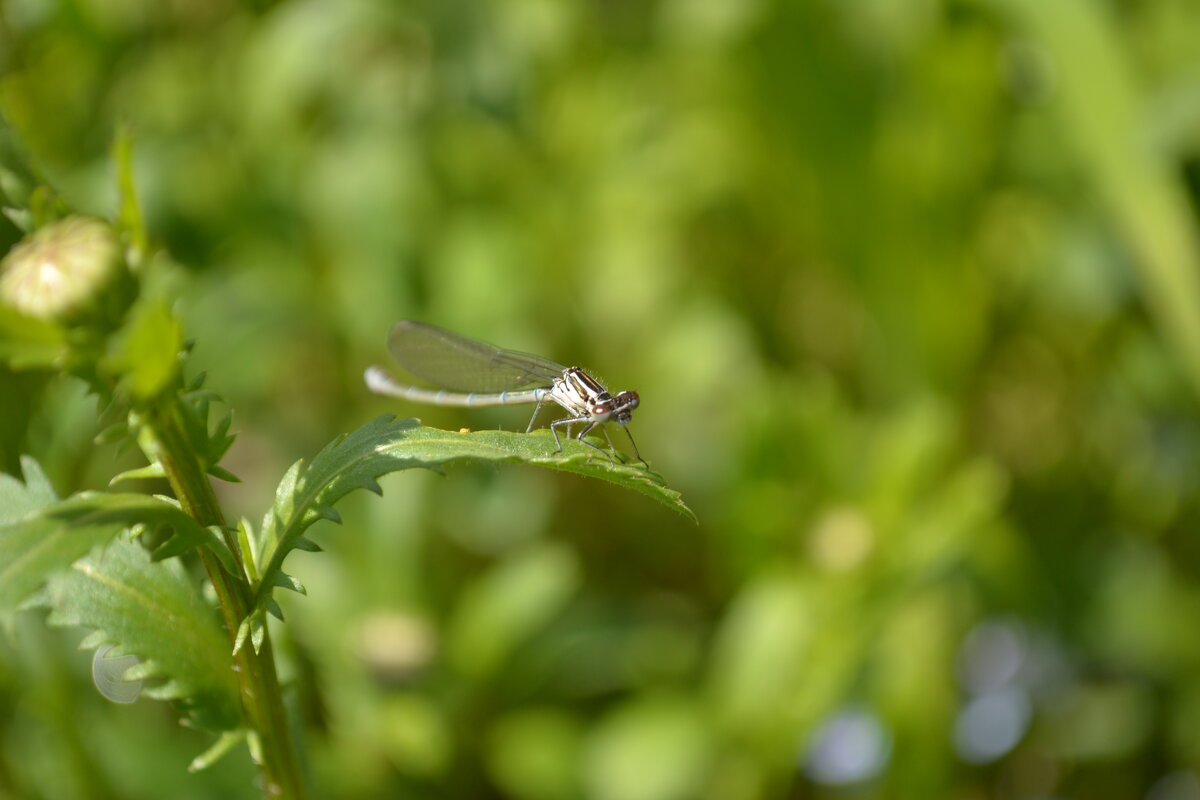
(628, 400)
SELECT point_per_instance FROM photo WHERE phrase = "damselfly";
(473, 373)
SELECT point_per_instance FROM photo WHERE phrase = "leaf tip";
(329, 513)
(243, 633)
(275, 611)
(217, 471)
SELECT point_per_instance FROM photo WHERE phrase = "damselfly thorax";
(479, 374)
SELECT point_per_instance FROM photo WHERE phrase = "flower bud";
(61, 270)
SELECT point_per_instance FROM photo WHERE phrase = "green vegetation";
(909, 293)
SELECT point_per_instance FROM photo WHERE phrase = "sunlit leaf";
(308, 492)
(150, 609)
(41, 543)
(225, 742)
(18, 499)
(33, 549)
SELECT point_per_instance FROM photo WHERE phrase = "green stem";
(262, 698)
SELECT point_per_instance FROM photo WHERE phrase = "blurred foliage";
(908, 290)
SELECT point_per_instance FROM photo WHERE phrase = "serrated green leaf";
(387, 444)
(33, 549)
(151, 609)
(210, 447)
(58, 534)
(18, 499)
(127, 509)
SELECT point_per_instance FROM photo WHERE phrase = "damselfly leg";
(567, 422)
(541, 399)
(636, 452)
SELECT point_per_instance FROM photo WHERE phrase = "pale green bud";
(62, 269)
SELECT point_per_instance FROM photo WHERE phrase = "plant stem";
(262, 698)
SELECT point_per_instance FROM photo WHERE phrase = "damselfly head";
(626, 403)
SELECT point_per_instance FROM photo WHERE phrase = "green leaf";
(14, 188)
(28, 343)
(245, 539)
(150, 609)
(144, 354)
(1097, 95)
(153, 471)
(19, 499)
(21, 218)
(508, 604)
(130, 212)
(217, 471)
(49, 540)
(37, 546)
(210, 446)
(226, 742)
(771, 622)
(386, 444)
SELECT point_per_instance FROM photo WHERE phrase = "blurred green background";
(908, 289)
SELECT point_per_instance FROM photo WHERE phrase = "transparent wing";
(465, 365)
